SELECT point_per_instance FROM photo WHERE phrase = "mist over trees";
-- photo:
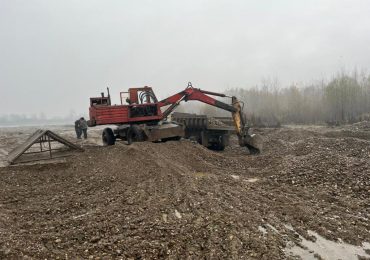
(343, 99)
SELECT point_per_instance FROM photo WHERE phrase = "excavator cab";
(143, 95)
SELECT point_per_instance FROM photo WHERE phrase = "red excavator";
(141, 117)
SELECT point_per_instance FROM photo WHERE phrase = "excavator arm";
(253, 142)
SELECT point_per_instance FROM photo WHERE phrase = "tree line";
(343, 99)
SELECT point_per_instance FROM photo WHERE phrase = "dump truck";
(142, 117)
(207, 131)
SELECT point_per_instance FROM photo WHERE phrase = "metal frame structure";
(43, 140)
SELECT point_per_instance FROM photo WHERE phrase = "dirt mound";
(363, 125)
(148, 200)
(215, 122)
(179, 199)
(359, 130)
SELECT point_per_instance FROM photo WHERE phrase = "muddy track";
(179, 200)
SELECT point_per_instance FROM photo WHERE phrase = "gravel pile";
(179, 200)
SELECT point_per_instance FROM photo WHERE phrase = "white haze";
(54, 55)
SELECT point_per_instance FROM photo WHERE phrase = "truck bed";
(197, 122)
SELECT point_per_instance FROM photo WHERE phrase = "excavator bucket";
(253, 142)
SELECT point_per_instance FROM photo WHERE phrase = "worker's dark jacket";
(77, 124)
(83, 124)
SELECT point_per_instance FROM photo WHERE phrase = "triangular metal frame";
(40, 136)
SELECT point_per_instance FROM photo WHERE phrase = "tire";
(108, 137)
(216, 147)
(221, 145)
(134, 134)
(174, 138)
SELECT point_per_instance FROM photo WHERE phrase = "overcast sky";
(54, 54)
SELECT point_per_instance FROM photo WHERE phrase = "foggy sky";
(54, 54)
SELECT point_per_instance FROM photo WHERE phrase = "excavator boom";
(253, 142)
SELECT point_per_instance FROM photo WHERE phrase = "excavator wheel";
(108, 137)
(174, 138)
(135, 134)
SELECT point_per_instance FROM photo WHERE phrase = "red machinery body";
(121, 114)
(142, 106)
(103, 113)
(140, 114)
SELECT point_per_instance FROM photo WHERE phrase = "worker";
(78, 128)
(83, 126)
